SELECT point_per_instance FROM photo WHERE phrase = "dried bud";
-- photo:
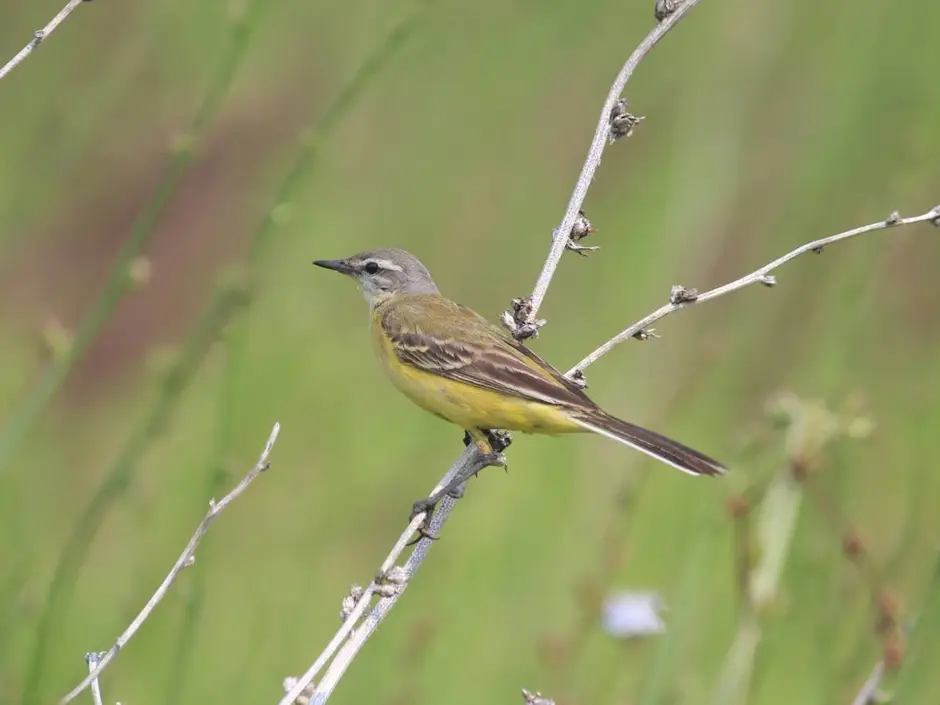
(893, 651)
(646, 334)
(386, 590)
(852, 544)
(664, 8)
(536, 698)
(581, 229)
(737, 506)
(578, 378)
(936, 219)
(768, 280)
(818, 250)
(518, 319)
(889, 607)
(396, 576)
(622, 122)
(679, 295)
(893, 219)
(800, 469)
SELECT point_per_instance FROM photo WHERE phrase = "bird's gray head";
(384, 273)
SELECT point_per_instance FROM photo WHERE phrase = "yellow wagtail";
(454, 363)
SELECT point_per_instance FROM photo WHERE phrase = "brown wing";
(444, 338)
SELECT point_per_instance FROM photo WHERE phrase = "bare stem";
(601, 139)
(93, 658)
(186, 559)
(683, 298)
(39, 36)
(390, 583)
(869, 691)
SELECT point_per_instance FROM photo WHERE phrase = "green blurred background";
(768, 124)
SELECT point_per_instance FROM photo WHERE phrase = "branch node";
(936, 216)
(679, 295)
(536, 698)
(768, 280)
(579, 230)
(818, 250)
(665, 8)
(305, 695)
(578, 378)
(394, 576)
(646, 334)
(518, 319)
(386, 590)
(893, 218)
(349, 602)
(622, 121)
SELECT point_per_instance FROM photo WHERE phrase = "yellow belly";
(468, 406)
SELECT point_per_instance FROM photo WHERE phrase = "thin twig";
(117, 282)
(306, 158)
(39, 36)
(93, 658)
(186, 559)
(869, 692)
(601, 139)
(388, 580)
(683, 298)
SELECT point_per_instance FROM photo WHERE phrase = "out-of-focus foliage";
(767, 124)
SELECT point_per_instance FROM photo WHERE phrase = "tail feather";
(663, 449)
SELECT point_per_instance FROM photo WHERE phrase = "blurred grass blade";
(661, 678)
(305, 160)
(918, 681)
(118, 479)
(118, 280)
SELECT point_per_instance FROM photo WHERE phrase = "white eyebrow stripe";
(388, 264)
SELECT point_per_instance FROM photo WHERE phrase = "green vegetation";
(214, 149)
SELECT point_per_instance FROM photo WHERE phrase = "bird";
(454, 363)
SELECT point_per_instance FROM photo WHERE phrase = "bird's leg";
(488, 456)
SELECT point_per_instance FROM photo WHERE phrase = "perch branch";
(186, 559)
(389, 583)
(683, 298)
(38, 37)
(602, 137)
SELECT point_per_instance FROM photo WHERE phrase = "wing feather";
(422, 329)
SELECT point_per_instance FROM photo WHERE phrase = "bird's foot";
(424, 506)
(489, 460)
(498, 440)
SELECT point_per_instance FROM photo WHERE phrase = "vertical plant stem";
(305, 159)
(118, 279)
(119, 478)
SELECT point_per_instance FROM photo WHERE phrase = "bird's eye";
(371, 268)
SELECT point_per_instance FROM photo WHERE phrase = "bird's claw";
(423, 506)
(490, 460)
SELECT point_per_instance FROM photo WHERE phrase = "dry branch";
(680, 297)
(613, 114)
(186, 559)
(38, 37)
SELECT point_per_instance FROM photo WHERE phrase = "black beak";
(337, 265)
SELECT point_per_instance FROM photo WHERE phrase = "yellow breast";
(466, 405)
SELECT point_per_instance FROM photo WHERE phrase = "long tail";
(664, 449)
